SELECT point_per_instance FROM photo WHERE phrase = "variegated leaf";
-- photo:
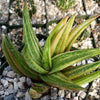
(74, 72)
(87, 78)
(56, 34)
(17, 59)
(32, 50)
(46, 59)
(64, 60)
(32, 46)
(60, 81)
(61, 45)
(77, 31)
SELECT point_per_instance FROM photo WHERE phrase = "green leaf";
(32, 64)
(31, 42)
(77, 31)
(9, 58)
(46, 60)
(17, 59)
(64, 60)
(87, 78)
(60, 81)
(32, 50)
(40, 87)
(61, 45)
(77, 71)
(56, 34)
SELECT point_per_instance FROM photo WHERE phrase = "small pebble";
(61, 93)
(27, 96)
(68, 95)
(53, 93)
(59, 98)
(15, 86)
(20, 85)
(28, 81)
(1, 92)
(9, 97)
(4, 73)
(9, 79)
(82, 94)
(11, 74)
(15, 79)
(75, 98)
(10, 87)
(47, 97)
(6, 93)
(4, 83)
(22, 79)
(19, 94)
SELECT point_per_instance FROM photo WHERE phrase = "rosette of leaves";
(19, 6)
(65, 4)
(51, 65)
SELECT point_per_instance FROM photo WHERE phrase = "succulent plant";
(52, 65)
(65, 4)
(19, 7)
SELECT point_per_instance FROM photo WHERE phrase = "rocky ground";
(15, 87)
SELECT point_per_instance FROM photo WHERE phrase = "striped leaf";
(17, 59)
(77, 31)
(56, 34)
(64, 60)
(60, 81)
(31, 42)
(9, 58)
(77, 71)
(32, 64)
(87, 78)
(64, 37)
(32, 50)
(46, 60)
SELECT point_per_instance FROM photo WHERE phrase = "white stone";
(6, 93)
(1, 92)
(9, 79)
(22, 79)
(4, 83)
(20, 85)
(15, 79)
(15, 86)
(75, 98)
(27, 96)
(68, 95)
(29, 82)
(93, 24)
(85, 85)
(61, 93)
(19, 94)
(44, 21)
(10, 87)
(4, 27)
(11, 74)
(4, 73)
(0, 7)
(42, 42)
(82, 94)
(94, 85)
